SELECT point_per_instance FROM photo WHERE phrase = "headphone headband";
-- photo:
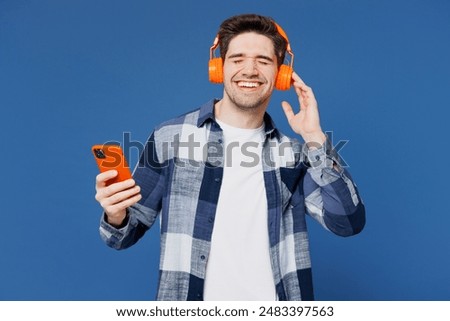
(284, 35)
(280, 31)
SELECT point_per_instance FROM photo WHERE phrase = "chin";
(249, 105)
(247, 100)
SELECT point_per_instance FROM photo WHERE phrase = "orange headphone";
(284, 75)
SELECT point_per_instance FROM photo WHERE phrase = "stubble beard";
(248, 101)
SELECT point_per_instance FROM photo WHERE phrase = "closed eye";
(260, 59)
(264, 62)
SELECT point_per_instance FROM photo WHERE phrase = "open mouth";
(248, 84)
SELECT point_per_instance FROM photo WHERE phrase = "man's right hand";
(117, 197)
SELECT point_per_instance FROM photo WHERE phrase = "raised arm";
(331, 197)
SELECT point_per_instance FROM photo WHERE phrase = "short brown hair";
(265, 26)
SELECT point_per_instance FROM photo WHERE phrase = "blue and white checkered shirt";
(180, 173)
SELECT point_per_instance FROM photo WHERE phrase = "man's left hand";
(306, 122)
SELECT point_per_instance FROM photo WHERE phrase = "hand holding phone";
(116, 190)
(111, 157)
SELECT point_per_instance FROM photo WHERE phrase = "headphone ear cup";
(284, 78)
(216, 70)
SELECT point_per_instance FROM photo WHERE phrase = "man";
(233, 191)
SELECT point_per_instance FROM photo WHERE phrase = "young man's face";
(249, 70)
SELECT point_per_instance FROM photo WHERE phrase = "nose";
(250, 67)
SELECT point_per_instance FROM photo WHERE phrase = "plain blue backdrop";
(77, 73)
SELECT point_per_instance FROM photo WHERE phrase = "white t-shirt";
(239, 266)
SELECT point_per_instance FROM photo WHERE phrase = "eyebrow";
(240, 55)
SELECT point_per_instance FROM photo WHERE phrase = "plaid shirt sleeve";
(331, 196)
(149, 175)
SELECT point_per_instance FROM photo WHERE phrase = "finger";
(301, 94)
(298, 82)
(124, 204)
(305, 89)
(301, 89)
(297, 78)
(287, 108)
(119, 186)
(119, 197)
(106, 191)
(101, 178)
(305, 94)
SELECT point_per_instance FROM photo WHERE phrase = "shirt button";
(220, 141)
(217, 180)
(203, 257)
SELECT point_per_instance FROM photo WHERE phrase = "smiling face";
(249, 71)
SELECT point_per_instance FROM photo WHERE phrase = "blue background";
(77, 73)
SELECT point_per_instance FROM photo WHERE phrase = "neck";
(232, 115)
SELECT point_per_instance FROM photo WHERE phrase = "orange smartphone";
(111, 157)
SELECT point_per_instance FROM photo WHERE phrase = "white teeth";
(248, 84)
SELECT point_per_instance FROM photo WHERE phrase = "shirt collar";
(207, 114)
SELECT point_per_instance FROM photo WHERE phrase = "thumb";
(287, 108)
(103, 177)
